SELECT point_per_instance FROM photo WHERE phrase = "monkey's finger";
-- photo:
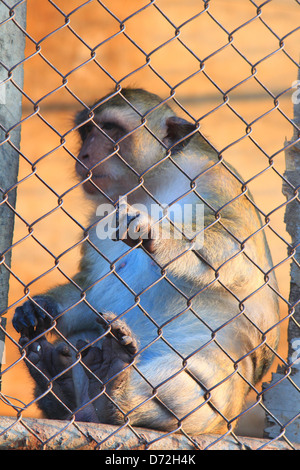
(123, 334)
(126, 340)
(130, 343)
(109, 320)
(91, 355)
(64, 350)
(35, 346)
(82, 344)
(24, 317)
(34, 350)
(23, 340)
(120, 330)
(84, 348)
(124, 220)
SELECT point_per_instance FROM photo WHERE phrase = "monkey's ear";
(179, 133)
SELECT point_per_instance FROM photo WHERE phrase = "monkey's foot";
(111, 362)
(122, 333)
(46, 361)
(134, 226)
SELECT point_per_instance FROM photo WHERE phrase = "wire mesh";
(230, 71)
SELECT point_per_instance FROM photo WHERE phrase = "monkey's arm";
(218, 252)
(45, 311)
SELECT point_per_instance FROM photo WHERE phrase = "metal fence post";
(12, 44)
(283, 399)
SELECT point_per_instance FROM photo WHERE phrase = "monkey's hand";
(111, 363)
(45, 362)
(34, 316)
(134, 226)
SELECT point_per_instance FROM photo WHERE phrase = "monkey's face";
(102, 158)
(115, 150)
(123, 143)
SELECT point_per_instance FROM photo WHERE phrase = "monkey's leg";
(116, 353)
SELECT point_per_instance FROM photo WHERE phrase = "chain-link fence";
(176, 329)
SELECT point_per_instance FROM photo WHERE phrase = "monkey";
(167, 325)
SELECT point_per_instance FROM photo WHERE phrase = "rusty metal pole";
(33, 434)
(12, 44)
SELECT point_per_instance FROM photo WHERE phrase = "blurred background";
(78, 51)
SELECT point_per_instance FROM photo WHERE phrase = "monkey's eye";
(114, 130)
(108, 126)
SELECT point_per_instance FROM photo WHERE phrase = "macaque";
(171, 319)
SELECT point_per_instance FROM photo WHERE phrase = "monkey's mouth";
(103, 175)
(93, 177)
(84, 172)
(100, 181)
